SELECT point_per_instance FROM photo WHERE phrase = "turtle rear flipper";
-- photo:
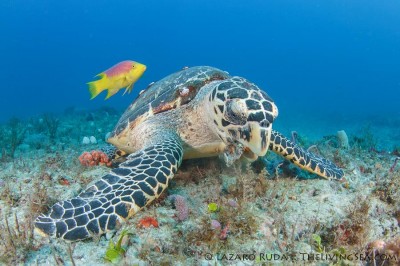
(118, 195)
(302, 158)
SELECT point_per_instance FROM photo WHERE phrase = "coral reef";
(146, 222)
(343, 140)
(52, 124)
(13, 136)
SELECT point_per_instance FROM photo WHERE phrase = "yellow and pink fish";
(121, 75)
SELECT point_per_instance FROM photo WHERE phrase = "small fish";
(122, 75)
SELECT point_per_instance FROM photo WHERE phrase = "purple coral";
(233, 203)
(180, 206)
(215, 224)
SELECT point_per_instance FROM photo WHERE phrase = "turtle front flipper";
(112, 152)
(119, 194)
(302, 158)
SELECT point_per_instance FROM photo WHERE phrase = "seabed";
(261, 214)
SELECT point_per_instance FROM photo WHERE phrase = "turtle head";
(243, 114)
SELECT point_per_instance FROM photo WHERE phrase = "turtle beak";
(256, 138)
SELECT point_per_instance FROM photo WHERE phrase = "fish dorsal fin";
(101, 75)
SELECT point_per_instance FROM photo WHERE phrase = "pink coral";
(224, 233)
(181, 207)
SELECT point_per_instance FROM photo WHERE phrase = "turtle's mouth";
(121, 142)
(255, 138)
(248, 154)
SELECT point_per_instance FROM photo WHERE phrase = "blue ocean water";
(325, 58)
(330, 65)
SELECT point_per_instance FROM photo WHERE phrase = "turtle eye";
(236, 112)
(236, 107)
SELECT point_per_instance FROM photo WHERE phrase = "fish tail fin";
(97, 86)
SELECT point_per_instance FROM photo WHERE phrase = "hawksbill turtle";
(196, 112)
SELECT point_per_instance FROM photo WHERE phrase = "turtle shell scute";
(171, 92)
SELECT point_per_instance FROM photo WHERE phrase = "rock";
(110, 234)
(24, 147)
(302, 247)
(85, 141)
(228, 182)
(36, 141)
(93, 140)
(107, 136)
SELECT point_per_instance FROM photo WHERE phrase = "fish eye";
(133, 66)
